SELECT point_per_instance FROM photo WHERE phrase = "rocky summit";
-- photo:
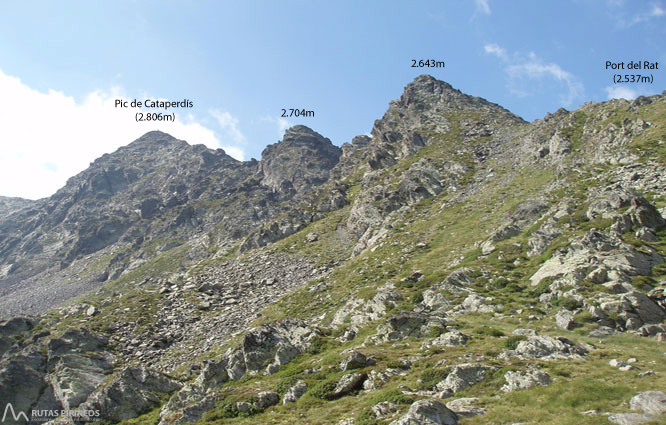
(457, 266)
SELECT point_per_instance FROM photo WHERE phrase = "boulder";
(358, 311)
(295, 392)
(354, 360)
(449, 339)
(465, 408)
(653, 405)
(16, 325)
(524, 380)
(427, 412)
(22, 383)
(75, 377)
(348, 383)
(630, 418)
(651, 402)
(476, 304)
(461, 377)
(266, 399)
(565, 319)
(549, 348)
(384, 408)
(80, 340)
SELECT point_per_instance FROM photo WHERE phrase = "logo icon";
(9, 407)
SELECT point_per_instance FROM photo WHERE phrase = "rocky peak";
(427, 109)
(300, 161)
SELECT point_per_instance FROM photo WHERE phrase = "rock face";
(300, 161)
(132, 392)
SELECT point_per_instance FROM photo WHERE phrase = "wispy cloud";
(482, 7)
(624, 92)
(228, 124)
(621, 92)
(524, 70)
(281, 124)
(628, 18)
(36, 160)
(496, 50)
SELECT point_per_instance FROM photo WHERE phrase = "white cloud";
(621, 92)
(627, 18)
(235, 152)
(625, 92)
(524, 70)
(48, 137)
(228, 124)
(482, 6)
(496, 50)
(281, 124)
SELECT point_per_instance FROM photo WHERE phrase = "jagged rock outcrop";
(300, 161)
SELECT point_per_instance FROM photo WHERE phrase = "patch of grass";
(513, 340)
(432, 376)
(488, 331)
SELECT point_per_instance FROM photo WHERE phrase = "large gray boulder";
(524, 380)
(266, 399)
(355, 360)
(23, 385)
(596, 248)
(549, 348)
(461, 377)
(427, 412)
(653, 405)
(565, 319)
(652, 402)
(16, 325)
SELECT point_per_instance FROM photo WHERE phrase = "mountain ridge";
(453, 265)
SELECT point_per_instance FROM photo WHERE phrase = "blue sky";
(63, 63)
